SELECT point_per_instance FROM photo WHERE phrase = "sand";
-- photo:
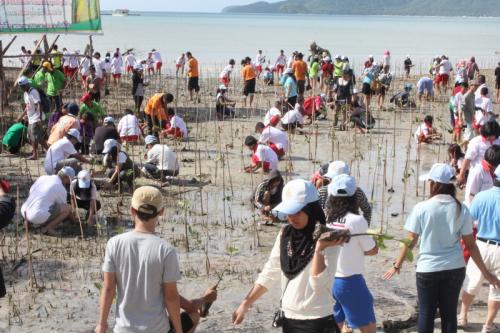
(210, 214)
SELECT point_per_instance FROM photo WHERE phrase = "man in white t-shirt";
(225, 75)
(292, 119)
(142, 271)
(33, 110)
(157, 59)
(273, 116)
(482, 174)
(262, 157)
(176, 127)
(260, 60)
(179, 64)
(46, 204)
(130, 62)
(444, 69)
(97, 62)
(478, 146)
(128, 127)
(276, 139)
(280, 63)
(63, 153)
(161, 160)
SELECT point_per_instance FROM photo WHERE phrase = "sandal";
(462, 323)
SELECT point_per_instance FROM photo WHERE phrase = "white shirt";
(352, 254)
(291, 117)
(66, 58)
(73, 186)
(46, 191)
(477, 94)
(98, 67)
(274, 111)
(31, 99)
(459, 102)
(150, 62)
(281, 60)
(445, 67)
(60, 150)
(116, 65)
(226, 71)
(260, 60)
(266, 154)
(386, 60)
(85, 66)
(477, 181)
(274, 135)
(484, 103)
(130, 60)
(128, 126)
(178, 122)
(306, 296)
(106, 65)
(163, 157)
(421, 130)
(181, 61)
(157, 56)
(476, 149)
(74, 61)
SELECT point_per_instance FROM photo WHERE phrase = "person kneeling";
(176, 127)
(119, 166)
(161, 160)
(84, 195)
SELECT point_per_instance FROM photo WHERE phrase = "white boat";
(121, 12)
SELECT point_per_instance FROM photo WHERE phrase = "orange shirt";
(63, 125)
(299, 68)
(248, 72)
(155, 107)
(193, 67)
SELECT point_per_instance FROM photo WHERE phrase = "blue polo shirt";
(485, 208)
(440, 224)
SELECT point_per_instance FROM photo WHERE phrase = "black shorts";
(381, 91)
(301, 86)
(193, 84)
(497, 84)
(186, 323)
(249, 87)
(7, 210)
(320, 325)
(367, 89)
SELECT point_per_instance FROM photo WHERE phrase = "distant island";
(374, 7)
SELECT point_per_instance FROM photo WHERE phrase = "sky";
(174, 5)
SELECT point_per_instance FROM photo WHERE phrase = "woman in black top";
(138, 87)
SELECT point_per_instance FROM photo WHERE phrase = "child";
(176, 127)
(425, 132)
(456, 157)
(128, 127)
(268, 76)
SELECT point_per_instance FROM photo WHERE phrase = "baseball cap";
(23, 81)
(86, 97)
(68, 171)
(147, 199)
(296, 195)
(288, 71)
(370, 56)
(150, 139)
(497, 172)
(74, 133)
(336, 168)
(84, 179)
(108, 145)
(440, 173)
(109, 120)
(47, 65)
(342, 186)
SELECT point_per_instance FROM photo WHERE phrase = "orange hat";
(47, 65)
(85, 98)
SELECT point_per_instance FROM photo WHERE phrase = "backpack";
(44, 100)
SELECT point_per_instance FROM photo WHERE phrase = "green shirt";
(313, 70)
(96, 110)
(55, 82)
(38, 80)
(14, 135)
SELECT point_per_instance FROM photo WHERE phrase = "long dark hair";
(337, 207)
(449, 189)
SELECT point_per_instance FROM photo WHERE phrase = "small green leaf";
(409, 255)
(97, 285)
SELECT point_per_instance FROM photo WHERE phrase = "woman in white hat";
(119, 166)
(304, 267)
(83, 193)
(354, 302)
(440, 223)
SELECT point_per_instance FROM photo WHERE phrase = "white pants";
(474, 279)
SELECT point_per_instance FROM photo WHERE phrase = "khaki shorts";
(474, 279)
(36, 132)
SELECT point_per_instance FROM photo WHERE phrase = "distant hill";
(374, 7)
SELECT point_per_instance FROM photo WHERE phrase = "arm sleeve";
(366, 243)
(364, 205)
(271, 273)
(325, 278)
(109, 264)
(412, 222)
(171, 270)
(475, 209)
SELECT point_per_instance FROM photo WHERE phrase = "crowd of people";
(142, 270)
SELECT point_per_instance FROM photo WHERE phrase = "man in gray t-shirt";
(143, 270)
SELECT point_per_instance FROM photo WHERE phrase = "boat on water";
(121, 12)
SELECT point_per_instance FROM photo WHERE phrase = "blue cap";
(23, 81)
(296, 195)
(68, 171)
(342, 186)
(440, 173)
(150, 139)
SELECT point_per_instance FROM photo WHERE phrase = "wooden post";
(2, 84)
(91, 47)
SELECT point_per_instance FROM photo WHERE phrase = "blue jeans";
(439, 290)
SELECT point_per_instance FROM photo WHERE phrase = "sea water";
(215, 38)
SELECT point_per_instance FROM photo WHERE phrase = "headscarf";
(297, 246)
